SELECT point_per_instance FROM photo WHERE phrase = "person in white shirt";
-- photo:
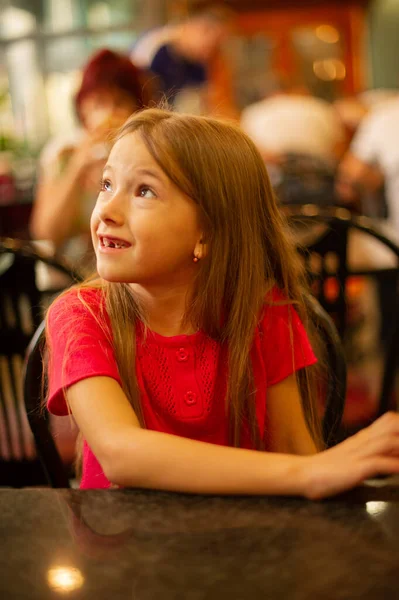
(294, 123)
(373, 160)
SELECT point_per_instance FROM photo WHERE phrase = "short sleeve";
(365, 143)
(285, 344)
(79, 345)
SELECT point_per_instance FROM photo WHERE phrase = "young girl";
(185, 365)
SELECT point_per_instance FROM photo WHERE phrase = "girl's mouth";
(111, 243)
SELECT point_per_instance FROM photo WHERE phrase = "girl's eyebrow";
(150, 173)
(142, 171)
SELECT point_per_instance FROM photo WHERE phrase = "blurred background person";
(301, 139)
(368, 177)
(378, 98)
(111, 89)
(372, 163)
(291, 121)
(352, 109)
(181, 56)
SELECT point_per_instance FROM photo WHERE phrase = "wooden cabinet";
(320, 45)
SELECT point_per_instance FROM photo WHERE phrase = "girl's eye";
(105, 185)
(146, 192)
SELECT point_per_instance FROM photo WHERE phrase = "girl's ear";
(201, 249)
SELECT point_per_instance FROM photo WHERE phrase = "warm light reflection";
(375, 508)
(327, 33)
(64, 579)
(329, 69)
(341, 69)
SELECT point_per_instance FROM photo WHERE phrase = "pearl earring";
(195, 259)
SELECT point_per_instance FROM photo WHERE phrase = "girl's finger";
(388, 422)
(380, 465)
(381, 445)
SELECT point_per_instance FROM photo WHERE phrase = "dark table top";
(151, 545)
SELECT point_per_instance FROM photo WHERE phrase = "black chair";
(38, 419)
(335, 388)
(22, 304)
(301, 178)
(38, 416)
(324, 239)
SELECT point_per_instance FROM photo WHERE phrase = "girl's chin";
(113, 277)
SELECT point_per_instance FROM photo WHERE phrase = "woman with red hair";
(112, 88)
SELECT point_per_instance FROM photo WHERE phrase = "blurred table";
(152, 545)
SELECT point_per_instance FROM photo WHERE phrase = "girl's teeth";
(108, 244)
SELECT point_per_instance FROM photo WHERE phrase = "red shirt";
(182, 379)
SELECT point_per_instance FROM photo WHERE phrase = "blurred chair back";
(302, 179)
(33, 389)
(325, 257)
(324, 240)
(22, 302)
(335, 385)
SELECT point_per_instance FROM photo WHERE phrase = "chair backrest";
(22, 302)
(335, 388)
(328, 263)
(38, 416)
(302, 178)
(325, 257)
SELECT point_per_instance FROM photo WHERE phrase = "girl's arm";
(135, 457)
(286, 426)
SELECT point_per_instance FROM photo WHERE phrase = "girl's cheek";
(95, 214)
(94, 222)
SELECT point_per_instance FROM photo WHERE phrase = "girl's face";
(144, 229)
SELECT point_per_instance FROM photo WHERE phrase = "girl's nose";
(112, 211)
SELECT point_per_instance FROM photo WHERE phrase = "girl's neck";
(165, 309)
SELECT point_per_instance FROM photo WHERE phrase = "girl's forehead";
(130, 156)
(130, 149)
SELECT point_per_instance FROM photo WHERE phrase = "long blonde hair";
(249, 252)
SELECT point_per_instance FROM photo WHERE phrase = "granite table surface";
(145, 545)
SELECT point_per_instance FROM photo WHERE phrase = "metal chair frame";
(21, 312)
(340, 222)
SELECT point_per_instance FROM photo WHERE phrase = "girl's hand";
(373, 451)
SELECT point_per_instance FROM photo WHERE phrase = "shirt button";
(181, 354)
(190, 398)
